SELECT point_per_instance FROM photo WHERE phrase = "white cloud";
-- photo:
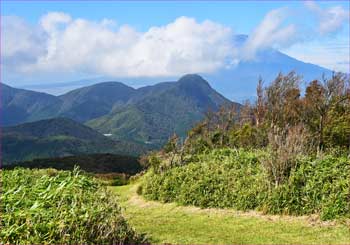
(183, 46)
(60, 44)
(21, 42)
(271, 32)
(331, 19)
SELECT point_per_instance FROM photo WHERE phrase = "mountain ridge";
(147, 115)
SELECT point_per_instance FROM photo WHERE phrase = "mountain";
(57, 137)
(157, 112)
(147, 115)
(20, 105)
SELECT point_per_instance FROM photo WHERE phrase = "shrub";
(221, 178)
(285, 146)
(50, 206)
(229, 178)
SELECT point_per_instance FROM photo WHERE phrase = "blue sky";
(242, 16)
(37, 37)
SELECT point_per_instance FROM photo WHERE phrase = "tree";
(283, 101)
(321, 99)
(260, 105)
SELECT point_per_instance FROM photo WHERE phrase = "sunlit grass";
(170, 223)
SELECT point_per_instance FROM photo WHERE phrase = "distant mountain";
(147, 115)
(57, 137)
(20, 105)
(239, 81)
(156, 112)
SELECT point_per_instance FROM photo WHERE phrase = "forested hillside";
(147, 115)
(58, 137)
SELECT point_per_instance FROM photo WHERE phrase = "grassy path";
(170, 223)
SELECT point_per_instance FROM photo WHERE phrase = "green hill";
(58, 137)
(160, 111)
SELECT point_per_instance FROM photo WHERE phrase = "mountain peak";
(191, 77)
(193, 80)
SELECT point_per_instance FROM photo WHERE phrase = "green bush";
(228, 178)
(59, 207)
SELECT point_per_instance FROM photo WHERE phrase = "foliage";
(52, 207)
(93, 163)
(285, 147)
(236, 178)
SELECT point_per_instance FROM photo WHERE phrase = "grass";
(170, 223)
(60, 207)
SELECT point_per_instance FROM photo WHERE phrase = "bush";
(228, 178)
(222, 178)
(50, 206)
(317, 186)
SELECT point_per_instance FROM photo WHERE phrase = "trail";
(171, 223)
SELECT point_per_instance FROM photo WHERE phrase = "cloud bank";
(70, 44)
(62, 44)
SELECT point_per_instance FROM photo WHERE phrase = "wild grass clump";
(59, 207)
(229, 178)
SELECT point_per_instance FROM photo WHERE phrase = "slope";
(159, 111)
(20, 105)
(90, 102)
(57, 137)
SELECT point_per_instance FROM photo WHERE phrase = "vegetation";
(285, 154)
(93, 163)
(174, 224)
(58, 137)
(52, 207)
(228, 178)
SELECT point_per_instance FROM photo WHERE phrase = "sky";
(53, 41)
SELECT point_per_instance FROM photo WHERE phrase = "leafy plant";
(50, 206)
(230, 178)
